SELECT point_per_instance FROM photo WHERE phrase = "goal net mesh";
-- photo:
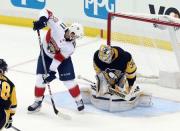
(152, 40)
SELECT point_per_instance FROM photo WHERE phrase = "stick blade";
(13, 127)
(64, 116)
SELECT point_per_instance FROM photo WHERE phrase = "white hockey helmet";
(77, 29)
(105, 53)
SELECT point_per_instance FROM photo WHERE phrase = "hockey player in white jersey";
(58, 46)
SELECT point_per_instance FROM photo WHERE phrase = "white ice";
(19, 47)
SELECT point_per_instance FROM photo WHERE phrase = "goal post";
(159, 33)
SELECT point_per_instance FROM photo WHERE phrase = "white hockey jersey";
(54, 44)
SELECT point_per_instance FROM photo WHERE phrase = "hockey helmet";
(105, 53)
(3, 66)
(77, 29)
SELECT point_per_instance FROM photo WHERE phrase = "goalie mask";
(76, 31)
(105, 54)
(3, 66)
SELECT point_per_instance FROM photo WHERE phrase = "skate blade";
(32, 112)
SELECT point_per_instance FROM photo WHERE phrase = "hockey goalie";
(115, 89)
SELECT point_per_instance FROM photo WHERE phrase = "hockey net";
(153, 41)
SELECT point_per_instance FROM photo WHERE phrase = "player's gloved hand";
(41, 23)
(51, 76)
(9, 123)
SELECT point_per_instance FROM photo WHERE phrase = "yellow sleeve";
(96, 68)
(131, 69)
(13, 100)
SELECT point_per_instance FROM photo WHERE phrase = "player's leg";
(67, 75)
(2, 118)
(39, 86)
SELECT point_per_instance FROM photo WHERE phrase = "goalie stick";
(111, 90)
(58, 113)
(83, 78)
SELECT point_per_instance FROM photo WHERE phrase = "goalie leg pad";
(101, 102)
(102, 85)
(86, 95)
(114, 103)
(117, 104)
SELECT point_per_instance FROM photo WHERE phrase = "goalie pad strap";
(98, 83)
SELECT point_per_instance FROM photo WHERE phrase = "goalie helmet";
(3, 66)
(105, 53)
(77, 29)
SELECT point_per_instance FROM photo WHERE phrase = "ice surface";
(19, 47)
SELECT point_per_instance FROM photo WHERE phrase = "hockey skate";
(36, 106)
(80, 105)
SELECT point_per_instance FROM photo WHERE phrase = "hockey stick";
(83, 78)
(22, 63)
(111, 90)
(65, 116)
(13, 127)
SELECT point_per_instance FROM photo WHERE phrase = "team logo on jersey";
(99, 8)
(35, 4)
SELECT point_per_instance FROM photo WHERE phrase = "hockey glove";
(9, 123)
(50, 77)
(41, 23)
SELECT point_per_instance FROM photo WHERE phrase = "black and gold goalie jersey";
(121, 64)
(8, 100)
